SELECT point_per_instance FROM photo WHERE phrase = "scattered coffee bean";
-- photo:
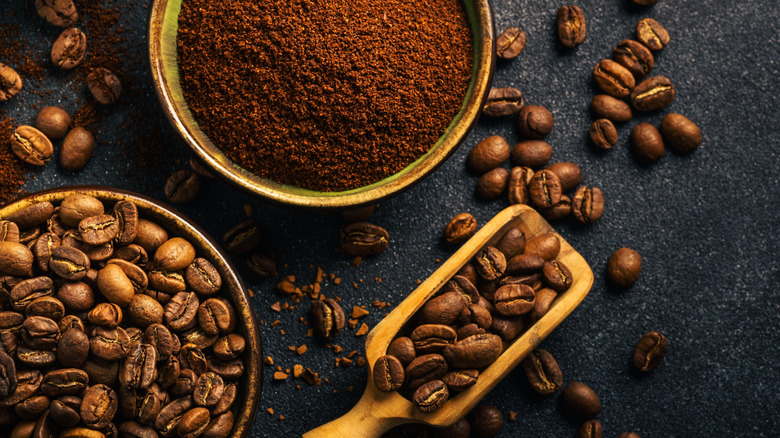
(327, 318)
(182, 186)
(650, 350)
(603, 134)
(647, 143)
(572, 29)
(10, 82)
(623, 268)
(262, 264)
(243, 237)
(591, 429)
(31, 145)
(650, 33)
(611, 108)
(569, 174)
(580, 401)
(104, 85)
(653, 93)
(531, 153)
(680, 133)
(517, 185)
(545, 189)
(69, 49)
(486, 421)
(363, 238)
(60, 13)
(53, 122)
(492, 184)
(534, 121)
(503, 102)
(510, 43)
(488, 154)
(635, 57)
(460, 228)
(588, 204)
(613, 78)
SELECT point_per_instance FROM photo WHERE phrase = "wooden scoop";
(378, 411)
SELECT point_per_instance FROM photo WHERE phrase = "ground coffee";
(320, 95)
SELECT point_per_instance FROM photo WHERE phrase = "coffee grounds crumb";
(278, 375)
(281, 417)
(302, 349)
(352, 323)
(285, 306)
(355, 285)
(291, 347)
(251, 294)
(358, 312)
(276, 307)
(352, 354)
(346, 362)
(297, 370)
(357, 261)
(337, 281)
(309, 333)
(275, 323)
(350, 388)
(336, 362)
(270, 411)
(248, 210)
(282, 332)
(311, 377)
(362, 330)
(378, 279)
(512, 415)
(361, 361)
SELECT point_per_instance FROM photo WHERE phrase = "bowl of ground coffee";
(118, 316)
(322, 104)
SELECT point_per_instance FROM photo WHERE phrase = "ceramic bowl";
(163, 26)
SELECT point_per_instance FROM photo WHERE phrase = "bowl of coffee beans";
(118, 316)
(319, 104)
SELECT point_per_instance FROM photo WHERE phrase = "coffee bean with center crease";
(182, 186)
(591, 429)
(27, 384)
(572, 28)
(262, 264)
(680, 133)
(65, 381)
(512, 243)
(8, 378)
(588, 204)
(98, 406)
(9, 231)
(490, 263)
(40, 333)
(634, 56)
(545, 189)
(652, 94)
(647, 144)
(10, 83)
(53, 122)
(650, 350)
(208, 389)
(220, 426)
(97, 230)
(28, 290)
(203, 277)
(77, 149)
(542, 371)
(503, 102)
(31, 146)
(182, 311)
(60, 13)
(69, 49)
(534, 121)
(510, 43)
(557, 275)
(492, 184)
(424, 369)
(580, 401)
(514, 299)
(431, 396)
(519, 177)
(193, 423)
(138, 369)
(460, 228)
(33, 407)
(611, 108)
(603, 134)
(432, 338)
(69, 263)
(460, 380)
(171, 414)
(214, 317)
(388, 373)
(109, 344)
(650, 33)
(363, 238)
(486, 421)
(104, 85)
(15, 259)
(476, 314)
(243, 237)
(613, 78)
(464, 287)
(488, 154)
(43, 247)
(473, 352)
(327, 318)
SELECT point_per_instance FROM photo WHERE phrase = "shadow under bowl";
(163, 28)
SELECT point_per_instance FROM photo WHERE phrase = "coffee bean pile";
(109, 325)
(464, 328)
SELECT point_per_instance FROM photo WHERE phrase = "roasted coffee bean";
(460, 380)
(580, 401)
(182, 186)
(182, 311)
(650, 350)
(8, 380)
(32, 215)
(11, 321)
(488, 154)
(460, 228)
(104, 85)
(424, 369)
(133, 429)
(431, 396)
(33, 407)
(101, 371)
(98, 406)
(72, 348)
(510, 43)
(23, 429)
(443, 309)
(591, 429)
(149, 235)
(55, 225)
(458, 429)
(161, 338)
(175, 254)
(10, 82)
(557, 275)
(198, 337)
(26, 291)
(519, 177)
(77, 149)
(77, 207)
(65, 381)
(53, 121)
(167, 282)
(588, 204)
(171, 414)
(542, 371)
(531, 153)
(512, 243)
(363, 238)
(534, 122)
(646, 143)
(60, 13)
(40, 333)
(432, 338)
(9, 231)
(27, 384)
(490, 263)
(208, 389)
(149, 406)
(226, 401)
(464, 287)
(603, 134)
(27, 237)
(97, 230)
(650, 33)
(115, 286)
(623, 268)
(514, 299)
(327, 318)
(82, 432)
(542, 302)
(557, 211)
(653, 93)
(8, 342)
(388, 373)
(492, 184)
(138, 371)
(202, 277)
(134, 273)
(193, 423)
(109, 344)
(613, 78)
(476, 314)
(43, 247)
(184, 383)
(69, 263)
(473, 352)
(76, 296)
(243, 237)
(31, 146)
(468, 272)
(486, 421)
(402, 348)
(262, 264)
(68, 51)
(144, 311)
(635, 57)
(571, 26)
(168, 372)
(680, 133)
(44, 427)
(220, 426)
(228, 370)
(214, 317)
(611, 108)
(15, 259)
(503, 102)
(545, 189)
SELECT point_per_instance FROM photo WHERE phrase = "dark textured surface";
(706, 225)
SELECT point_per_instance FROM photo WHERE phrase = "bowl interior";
(245, 406)
(163, 56)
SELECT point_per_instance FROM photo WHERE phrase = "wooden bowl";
(245, 406)
(163, 27)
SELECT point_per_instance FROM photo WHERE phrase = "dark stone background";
(705, 224)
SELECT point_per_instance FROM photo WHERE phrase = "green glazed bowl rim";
(250, 386)
(163, 25)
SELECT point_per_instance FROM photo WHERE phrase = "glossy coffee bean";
(182, 311)
(488, 154)
(64, 381)
(591, 429)
(580, 401)
(613, 78)
(503, 102)
(203, 277)
(182, 186)
(104, 85)
(460, 228)
(424, 369)
(220, 426)
(432, 338)
(545, 189)
(363, 238)
(33, 407)
(557, 276)
(647, 144)
(611, 108)
(569, 174)
(69, 263)
(77, 207)
(77, 149)
(193, 423)
(514, 299)
(490, 263)
(97, 230)
(402, 348)
(650, 33)
(603, 134)
(69, 49)
(431, 396)
(650, 350)
(680, 133)
(623, 268)
(149, 235)
(635, 57)
(10, 83)
(588, 204)
(542, 302)
(512, 243)
(534, 122)
(542, 372)
(572, 28)
(72, 348)
(388, 373)
(98, 406)
(557, 211)
(653, 93)
(473, 352)
(31, 145)
(492, 184)
(531, 153)
(15, 259)
(443, 309)
(517, 185)
(53, 122)
(243, 237)
(510, 43)
(546, 245)
(115, 286)
(327, 318)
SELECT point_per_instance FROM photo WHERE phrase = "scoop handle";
(357, 423)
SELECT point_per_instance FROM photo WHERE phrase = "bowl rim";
(249, 397)
(169, 94)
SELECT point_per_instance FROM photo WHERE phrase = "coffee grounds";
(327, 96)
(12, 170)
